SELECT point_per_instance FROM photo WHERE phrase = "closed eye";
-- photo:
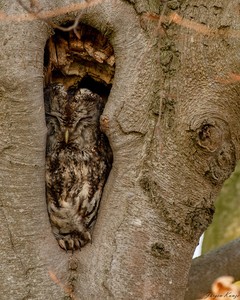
(56, 116)
(83, 119)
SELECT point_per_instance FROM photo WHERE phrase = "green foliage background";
(226, 222)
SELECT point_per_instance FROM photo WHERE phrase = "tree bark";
(172, 122)
(210, 266)
(24, 223)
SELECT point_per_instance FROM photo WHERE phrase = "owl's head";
(71, 112)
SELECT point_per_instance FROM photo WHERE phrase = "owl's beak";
(66, 136)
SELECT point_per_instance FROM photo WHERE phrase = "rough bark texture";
(172, 122)
(23, 222)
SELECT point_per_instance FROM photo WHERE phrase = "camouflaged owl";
(78, 160)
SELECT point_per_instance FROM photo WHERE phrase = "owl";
(78, 160)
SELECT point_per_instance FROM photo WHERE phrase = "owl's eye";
(87, 118)
(54, 116)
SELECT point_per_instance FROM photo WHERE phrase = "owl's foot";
(73, 241)
(69, 229)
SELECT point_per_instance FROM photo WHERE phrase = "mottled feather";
(78, 160)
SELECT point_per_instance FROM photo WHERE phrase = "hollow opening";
(79, 68)
(82, 56)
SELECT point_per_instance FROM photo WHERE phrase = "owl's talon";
(71, 244)
(62, 244)
(71, 241)
(77, 244)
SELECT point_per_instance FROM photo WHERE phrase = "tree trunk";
(172, 122)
